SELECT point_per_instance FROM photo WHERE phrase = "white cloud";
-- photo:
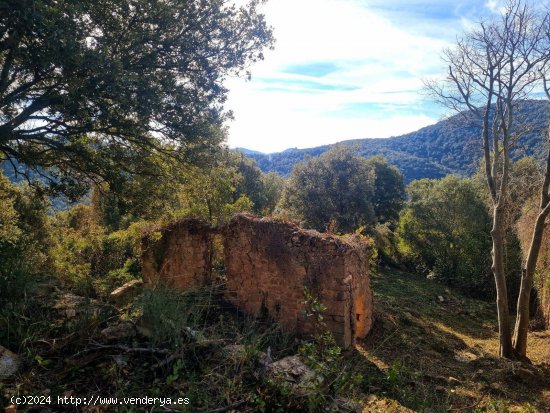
(378, 61)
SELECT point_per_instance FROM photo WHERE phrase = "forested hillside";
(450, 146)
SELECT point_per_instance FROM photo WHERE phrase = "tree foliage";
(343, 189)
(88, 89)
(24, 237)
(389, 191)
(443, 231)
(264, 190)
(225, 184)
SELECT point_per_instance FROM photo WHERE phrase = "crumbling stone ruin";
(180, 255)
(268, 265)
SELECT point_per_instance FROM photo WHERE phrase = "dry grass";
(423, 355)
(440, 356)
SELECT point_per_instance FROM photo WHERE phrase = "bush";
(24, 238)
(444, 232)
(88, 259)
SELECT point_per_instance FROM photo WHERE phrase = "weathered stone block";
(179, 255)
(278, 260)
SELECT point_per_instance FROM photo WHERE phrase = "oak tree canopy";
(90, 89)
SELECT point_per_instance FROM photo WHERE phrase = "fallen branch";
(126, 349)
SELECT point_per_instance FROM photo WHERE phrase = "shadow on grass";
(435, 355)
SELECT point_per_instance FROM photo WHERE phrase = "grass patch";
(424, 354)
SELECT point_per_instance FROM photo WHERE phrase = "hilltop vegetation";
(451, 146)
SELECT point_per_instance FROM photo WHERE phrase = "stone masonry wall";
(179, 255)
(268, 264)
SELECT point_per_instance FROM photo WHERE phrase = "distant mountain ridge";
(451, 146)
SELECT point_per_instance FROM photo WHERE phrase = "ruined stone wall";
(179, 255)
(269, 263)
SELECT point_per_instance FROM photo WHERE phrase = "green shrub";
(174, 317)
(444, 232)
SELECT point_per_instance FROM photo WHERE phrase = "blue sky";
(346, 69)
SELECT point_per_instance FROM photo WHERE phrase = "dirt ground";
(437, 351)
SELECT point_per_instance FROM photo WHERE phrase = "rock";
(525, 375)
(12, 408)
(126, 292)
(119, 331)
(465, 356)
(9, 363)
(293, 370)
(235, 351)
(71, 306)
(440, 298)
(238, 353)
(342, 404)
(372, 398)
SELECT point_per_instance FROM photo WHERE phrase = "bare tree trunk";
(528, 272)
(505, 334)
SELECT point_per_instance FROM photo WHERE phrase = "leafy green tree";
(264, 190)
(209, 193)
(9, 231)
(337, 187)
(250, 184)
(273, 187)
(444, 231)
(490, 70)
(389, 190)
(89, 88)
(24, 238)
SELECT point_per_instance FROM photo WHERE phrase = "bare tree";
(490, 71)
(528, 270)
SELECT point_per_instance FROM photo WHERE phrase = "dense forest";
(113, 138)
(451, 146)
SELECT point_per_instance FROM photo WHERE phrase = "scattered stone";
(235, 351)
(119, 331)
(9, 363)
(238, 352)
(69, 304)
(72, 305)
(126, 292)
(525, 375)
(372, 398)
(293, 370)
(342, 404)
(465, 356)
